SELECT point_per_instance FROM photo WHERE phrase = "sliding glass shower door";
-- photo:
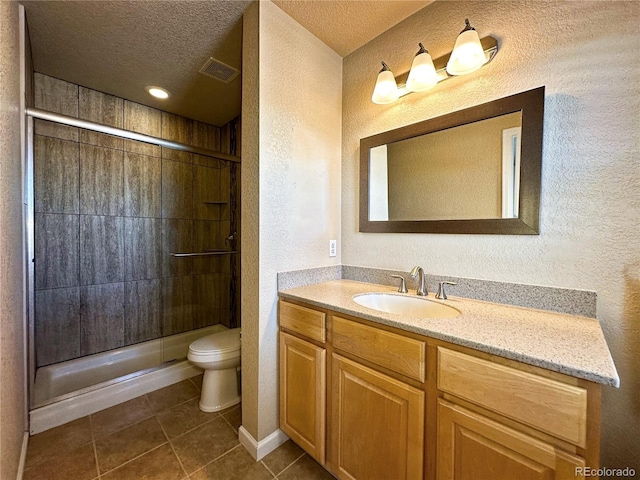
(135, 243)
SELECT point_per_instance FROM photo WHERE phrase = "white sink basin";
(403, 305)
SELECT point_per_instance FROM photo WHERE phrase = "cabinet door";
(377, 424)
(302, 394)
(473, 447)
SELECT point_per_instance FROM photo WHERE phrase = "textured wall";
(298, 162)
(12, 375)
(250, 205)
(586, 54)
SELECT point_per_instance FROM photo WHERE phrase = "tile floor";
(160, 436)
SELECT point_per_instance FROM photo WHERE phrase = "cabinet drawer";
(302, 320)
(473, 446)
(548, 405)
(395, 352)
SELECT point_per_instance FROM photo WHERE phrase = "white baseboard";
(23, 456)
(84, 404)
(259, 450)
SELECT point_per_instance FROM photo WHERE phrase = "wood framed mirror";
(474, 171)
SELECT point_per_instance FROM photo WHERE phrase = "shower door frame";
(30, 258)
(29, 194)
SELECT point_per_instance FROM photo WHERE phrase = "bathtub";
(65, 377)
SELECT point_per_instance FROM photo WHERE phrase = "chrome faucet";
(422, 287)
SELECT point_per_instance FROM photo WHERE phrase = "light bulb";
(157, 92)
(423, 74)
(386, 89)
(468, 54)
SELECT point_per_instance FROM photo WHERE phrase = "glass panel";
(465, 172)
(111, 296)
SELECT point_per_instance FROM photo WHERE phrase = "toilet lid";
(226, 341)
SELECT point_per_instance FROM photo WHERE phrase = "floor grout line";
(192, 429)
(172, 406)
(290, 465)
(172, 449)
(66, 449)
(95, 449)
(136, 422)
(228, 422)
(155, 415)
(194, 383)
(218, 458)
(146, 399)
(268, 469)
(135, 458)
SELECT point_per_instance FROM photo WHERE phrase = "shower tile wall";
(109, 213)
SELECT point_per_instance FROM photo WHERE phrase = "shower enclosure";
(133, 222)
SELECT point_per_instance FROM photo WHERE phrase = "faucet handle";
(403, 284)
(442, 295)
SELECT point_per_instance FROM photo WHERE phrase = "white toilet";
(219, 355)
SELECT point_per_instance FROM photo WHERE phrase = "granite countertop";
(564, 343)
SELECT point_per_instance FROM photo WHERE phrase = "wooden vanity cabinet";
(502, 421)
(303, 379)
(474, 447)
(397, 405)
(377, 417)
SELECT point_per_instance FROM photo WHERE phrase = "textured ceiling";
(119, 47)
(347, 25)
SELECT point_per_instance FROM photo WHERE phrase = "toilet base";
(219, 390)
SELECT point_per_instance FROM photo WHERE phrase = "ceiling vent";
(218, 70)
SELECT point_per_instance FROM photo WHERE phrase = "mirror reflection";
(466, 172)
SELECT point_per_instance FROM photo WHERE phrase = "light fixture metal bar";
(119, 132)
(489, 45)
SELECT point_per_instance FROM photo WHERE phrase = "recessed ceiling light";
(157, 92)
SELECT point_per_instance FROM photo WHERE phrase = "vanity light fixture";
(157, 92)
(386, 89)
(422, 75)
(468, 55)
